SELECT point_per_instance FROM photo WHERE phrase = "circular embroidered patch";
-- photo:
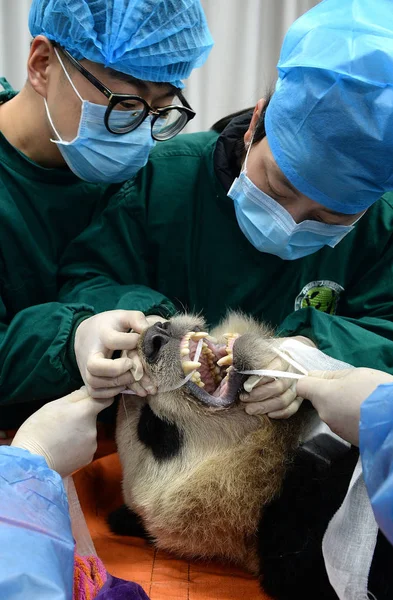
(322, 295)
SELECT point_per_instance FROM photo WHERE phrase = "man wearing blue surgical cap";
(104, 85)
(329, 131)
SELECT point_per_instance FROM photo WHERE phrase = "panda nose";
(156, 337)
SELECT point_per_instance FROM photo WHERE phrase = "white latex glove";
(338, 395)
(96, 339)
(64, 431)
(276, 398)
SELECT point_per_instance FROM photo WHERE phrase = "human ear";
(41, 62)
(254, 121)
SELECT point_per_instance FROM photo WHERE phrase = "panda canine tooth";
(225, 360)
(189, 366)
(199, 336)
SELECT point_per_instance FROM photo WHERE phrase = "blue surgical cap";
(330, 120)
(152, 40)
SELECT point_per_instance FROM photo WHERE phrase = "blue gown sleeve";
(376, 450)
(36, 543)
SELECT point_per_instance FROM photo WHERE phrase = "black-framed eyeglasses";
(126, 112)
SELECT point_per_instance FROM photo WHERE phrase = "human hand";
(64, 431)
(338, 395)
(96, 339)
(142, 386)
(276, 398)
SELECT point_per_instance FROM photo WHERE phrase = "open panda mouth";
(214, 382)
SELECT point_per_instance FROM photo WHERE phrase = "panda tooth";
(225, 360)
(189, 366)
(199, 335)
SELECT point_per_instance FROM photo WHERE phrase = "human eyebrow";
(168, 94)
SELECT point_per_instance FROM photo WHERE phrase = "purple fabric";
(119, 589)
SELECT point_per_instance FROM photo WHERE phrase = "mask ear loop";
(68, 76)
(46, 103)
(249, 145)
(184, 381)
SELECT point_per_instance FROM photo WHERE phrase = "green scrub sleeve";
(111, 265)
(34, 363)
(367, 341)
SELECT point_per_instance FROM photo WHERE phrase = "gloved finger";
(134, 319)
(139, 374)
(98, 383)
(269, 390)
(106, 392)
(288, 412)
(277, 364)
(138, 389)
(100, 366)
(253, 380)
(136, 366)
(78, 395)
(272, 405)
(96, 405)
(318, 389)
(152, 319)
(118, 340)
(148, 385)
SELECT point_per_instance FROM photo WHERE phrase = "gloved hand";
(338, 395)
(276, 398)
(64, 431)
(96, 339)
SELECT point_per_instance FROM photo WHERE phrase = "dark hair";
(259, 134)
(220, 125)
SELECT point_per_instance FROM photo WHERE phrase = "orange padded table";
(161, 575)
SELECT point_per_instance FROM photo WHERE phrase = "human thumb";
(317, 386)
(95, 406)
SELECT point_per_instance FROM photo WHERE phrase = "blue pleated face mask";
(271, 229)
(98, 156)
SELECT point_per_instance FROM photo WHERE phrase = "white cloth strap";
(349, 542)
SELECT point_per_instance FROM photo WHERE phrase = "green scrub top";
(41, 211)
